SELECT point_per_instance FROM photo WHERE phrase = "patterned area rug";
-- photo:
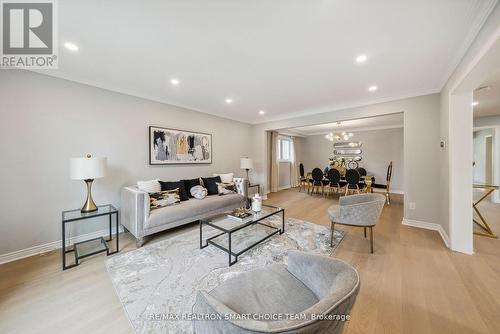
(157, 283)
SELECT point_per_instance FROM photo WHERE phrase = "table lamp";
(88, 169)
(247, 164)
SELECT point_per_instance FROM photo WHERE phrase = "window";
(285, 149)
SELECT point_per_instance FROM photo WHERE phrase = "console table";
(488, 232)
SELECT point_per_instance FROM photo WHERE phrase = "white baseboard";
(44, 248)
(429, 226)
(284, 187)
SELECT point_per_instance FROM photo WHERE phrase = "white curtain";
(274, 161)
(294, 174)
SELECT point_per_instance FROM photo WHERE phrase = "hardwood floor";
(411, 284)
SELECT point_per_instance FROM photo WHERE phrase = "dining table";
(368, 180)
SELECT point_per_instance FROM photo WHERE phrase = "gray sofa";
(140, 222)
(309, 285)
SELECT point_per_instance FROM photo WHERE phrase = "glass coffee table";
(236, 237)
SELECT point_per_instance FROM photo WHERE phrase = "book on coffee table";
(240, 215)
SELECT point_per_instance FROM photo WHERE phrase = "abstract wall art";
(172, 146)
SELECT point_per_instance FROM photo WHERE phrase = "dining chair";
(386, 186)
(353, 178)
(357, 210)
(361, 171)
(303, 181)
(317, 176)
(334, 181)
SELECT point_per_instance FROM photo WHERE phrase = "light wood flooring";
(411, 284)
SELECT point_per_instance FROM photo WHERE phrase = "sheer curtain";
(294, 173)
(274, 161)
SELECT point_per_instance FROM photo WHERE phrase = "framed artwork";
(172, 146)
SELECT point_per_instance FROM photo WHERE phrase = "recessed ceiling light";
(229, 101)
(475, 103)
(372, 88)
(70, 46)
(361, 59)
(175, 82)
(262, 112)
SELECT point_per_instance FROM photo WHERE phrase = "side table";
(93, 246)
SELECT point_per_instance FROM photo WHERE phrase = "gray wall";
(379, 147)
(45, 121)
(421, 147)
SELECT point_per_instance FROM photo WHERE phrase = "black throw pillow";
(188, 184)
(174, 185)
(211, 184)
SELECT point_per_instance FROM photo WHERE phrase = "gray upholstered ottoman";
(310, 287)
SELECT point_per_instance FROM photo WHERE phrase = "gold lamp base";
(89, 205)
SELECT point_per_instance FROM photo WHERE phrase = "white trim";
(284, 187)
(429, 226)
(48, 247)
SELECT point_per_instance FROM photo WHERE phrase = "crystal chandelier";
(339, 136)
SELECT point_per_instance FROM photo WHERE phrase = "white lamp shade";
(246, 163)
(88, 168)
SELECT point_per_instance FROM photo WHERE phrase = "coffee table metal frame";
(229, 232)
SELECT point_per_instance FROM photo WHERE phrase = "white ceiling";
(361, 124)
(488, 99)
(287, 57)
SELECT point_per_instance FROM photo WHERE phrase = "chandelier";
(339, 136)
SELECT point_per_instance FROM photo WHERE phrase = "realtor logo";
(28, 34)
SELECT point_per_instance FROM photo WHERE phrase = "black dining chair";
(352, 178)
(387, 185)
(303, 181)
(361, 171)
(334, 182)
(317, 175)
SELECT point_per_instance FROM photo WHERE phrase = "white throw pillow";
(152, 186)
(226, 178)
(198, 192)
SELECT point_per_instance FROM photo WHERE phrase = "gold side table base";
(488, 232)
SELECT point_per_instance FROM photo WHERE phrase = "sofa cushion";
(226, 188)
(211, 184)
(193, 209)
(164, 198)
(188, 184)
(226, 178)
(199, 192)
(175, 185)
(151, 186)
(269, 290)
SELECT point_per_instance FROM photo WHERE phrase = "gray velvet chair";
(308, 285)
(357, 210)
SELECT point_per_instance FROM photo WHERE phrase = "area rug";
(157, 283)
